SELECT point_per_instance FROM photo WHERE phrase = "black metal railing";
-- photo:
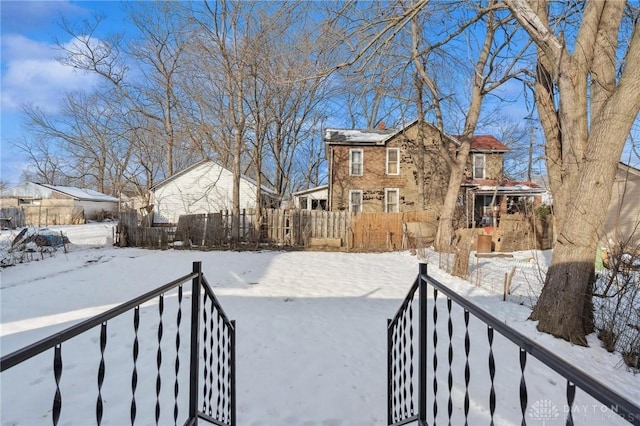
(210, 394)
(409, 374)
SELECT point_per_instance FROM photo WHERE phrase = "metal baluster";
(215, 361)
(176, 386)
(57, 373)
(220, 364)
(411, 408)
(492, 374)
(159, 356)
(571, 394)
(103, 345)
(396, 372)
(435, 354)
(134, 375)
(404, 364)
(205, 327)
(450, 378)
(467, 371)
(523, 385)
(227, 374)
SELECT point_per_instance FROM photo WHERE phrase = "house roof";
(629, 168)
(198, 164)
(81, 194)
(504, 186)
(33, 190)
(479, 143)
(486, 143)
(358, 135)
(311, 190)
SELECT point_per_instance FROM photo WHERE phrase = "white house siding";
(206, 188)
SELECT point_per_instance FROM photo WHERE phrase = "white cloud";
(32, 75)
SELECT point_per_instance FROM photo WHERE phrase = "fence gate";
(161, 391)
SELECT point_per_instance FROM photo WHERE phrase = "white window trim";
(397, 161)
(351, 151)
(354, 191)
(484, 166)
(386, 200)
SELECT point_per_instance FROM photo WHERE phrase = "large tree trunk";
(444, 234)
(585, 135)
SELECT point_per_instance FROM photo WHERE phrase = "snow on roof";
(355, 135)
(81, 194)
(378, 136)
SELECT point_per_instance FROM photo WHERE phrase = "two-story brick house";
(389, 170)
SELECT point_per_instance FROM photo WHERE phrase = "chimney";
(381, 125)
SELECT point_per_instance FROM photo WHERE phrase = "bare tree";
(156, 53)
(496, 62)
(223, 45)
(588, 97)
(46, 164)
(85, 133)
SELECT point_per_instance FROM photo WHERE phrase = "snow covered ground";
(311, 335)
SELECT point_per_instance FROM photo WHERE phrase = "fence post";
(194, 367)
(422, 344)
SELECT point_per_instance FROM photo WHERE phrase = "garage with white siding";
(205, 187)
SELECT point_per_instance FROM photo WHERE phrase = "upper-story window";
(355, 162)
(479, 165)
(393, 161)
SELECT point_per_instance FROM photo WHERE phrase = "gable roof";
(200, 163)
(479, 143)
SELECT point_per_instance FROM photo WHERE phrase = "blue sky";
(29, 71)
(31, 75)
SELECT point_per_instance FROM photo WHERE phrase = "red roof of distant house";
(486, 143)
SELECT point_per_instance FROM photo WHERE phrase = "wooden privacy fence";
(297, 228)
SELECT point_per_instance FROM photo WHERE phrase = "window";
(303, 203)
(355, 162)
(393, 161)
(318, 204)
(355, 201)
(478, 166)
(391, 200)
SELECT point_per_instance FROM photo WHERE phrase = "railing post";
(233, 373)
(194, 367)
(389, 368)
(422, 344)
